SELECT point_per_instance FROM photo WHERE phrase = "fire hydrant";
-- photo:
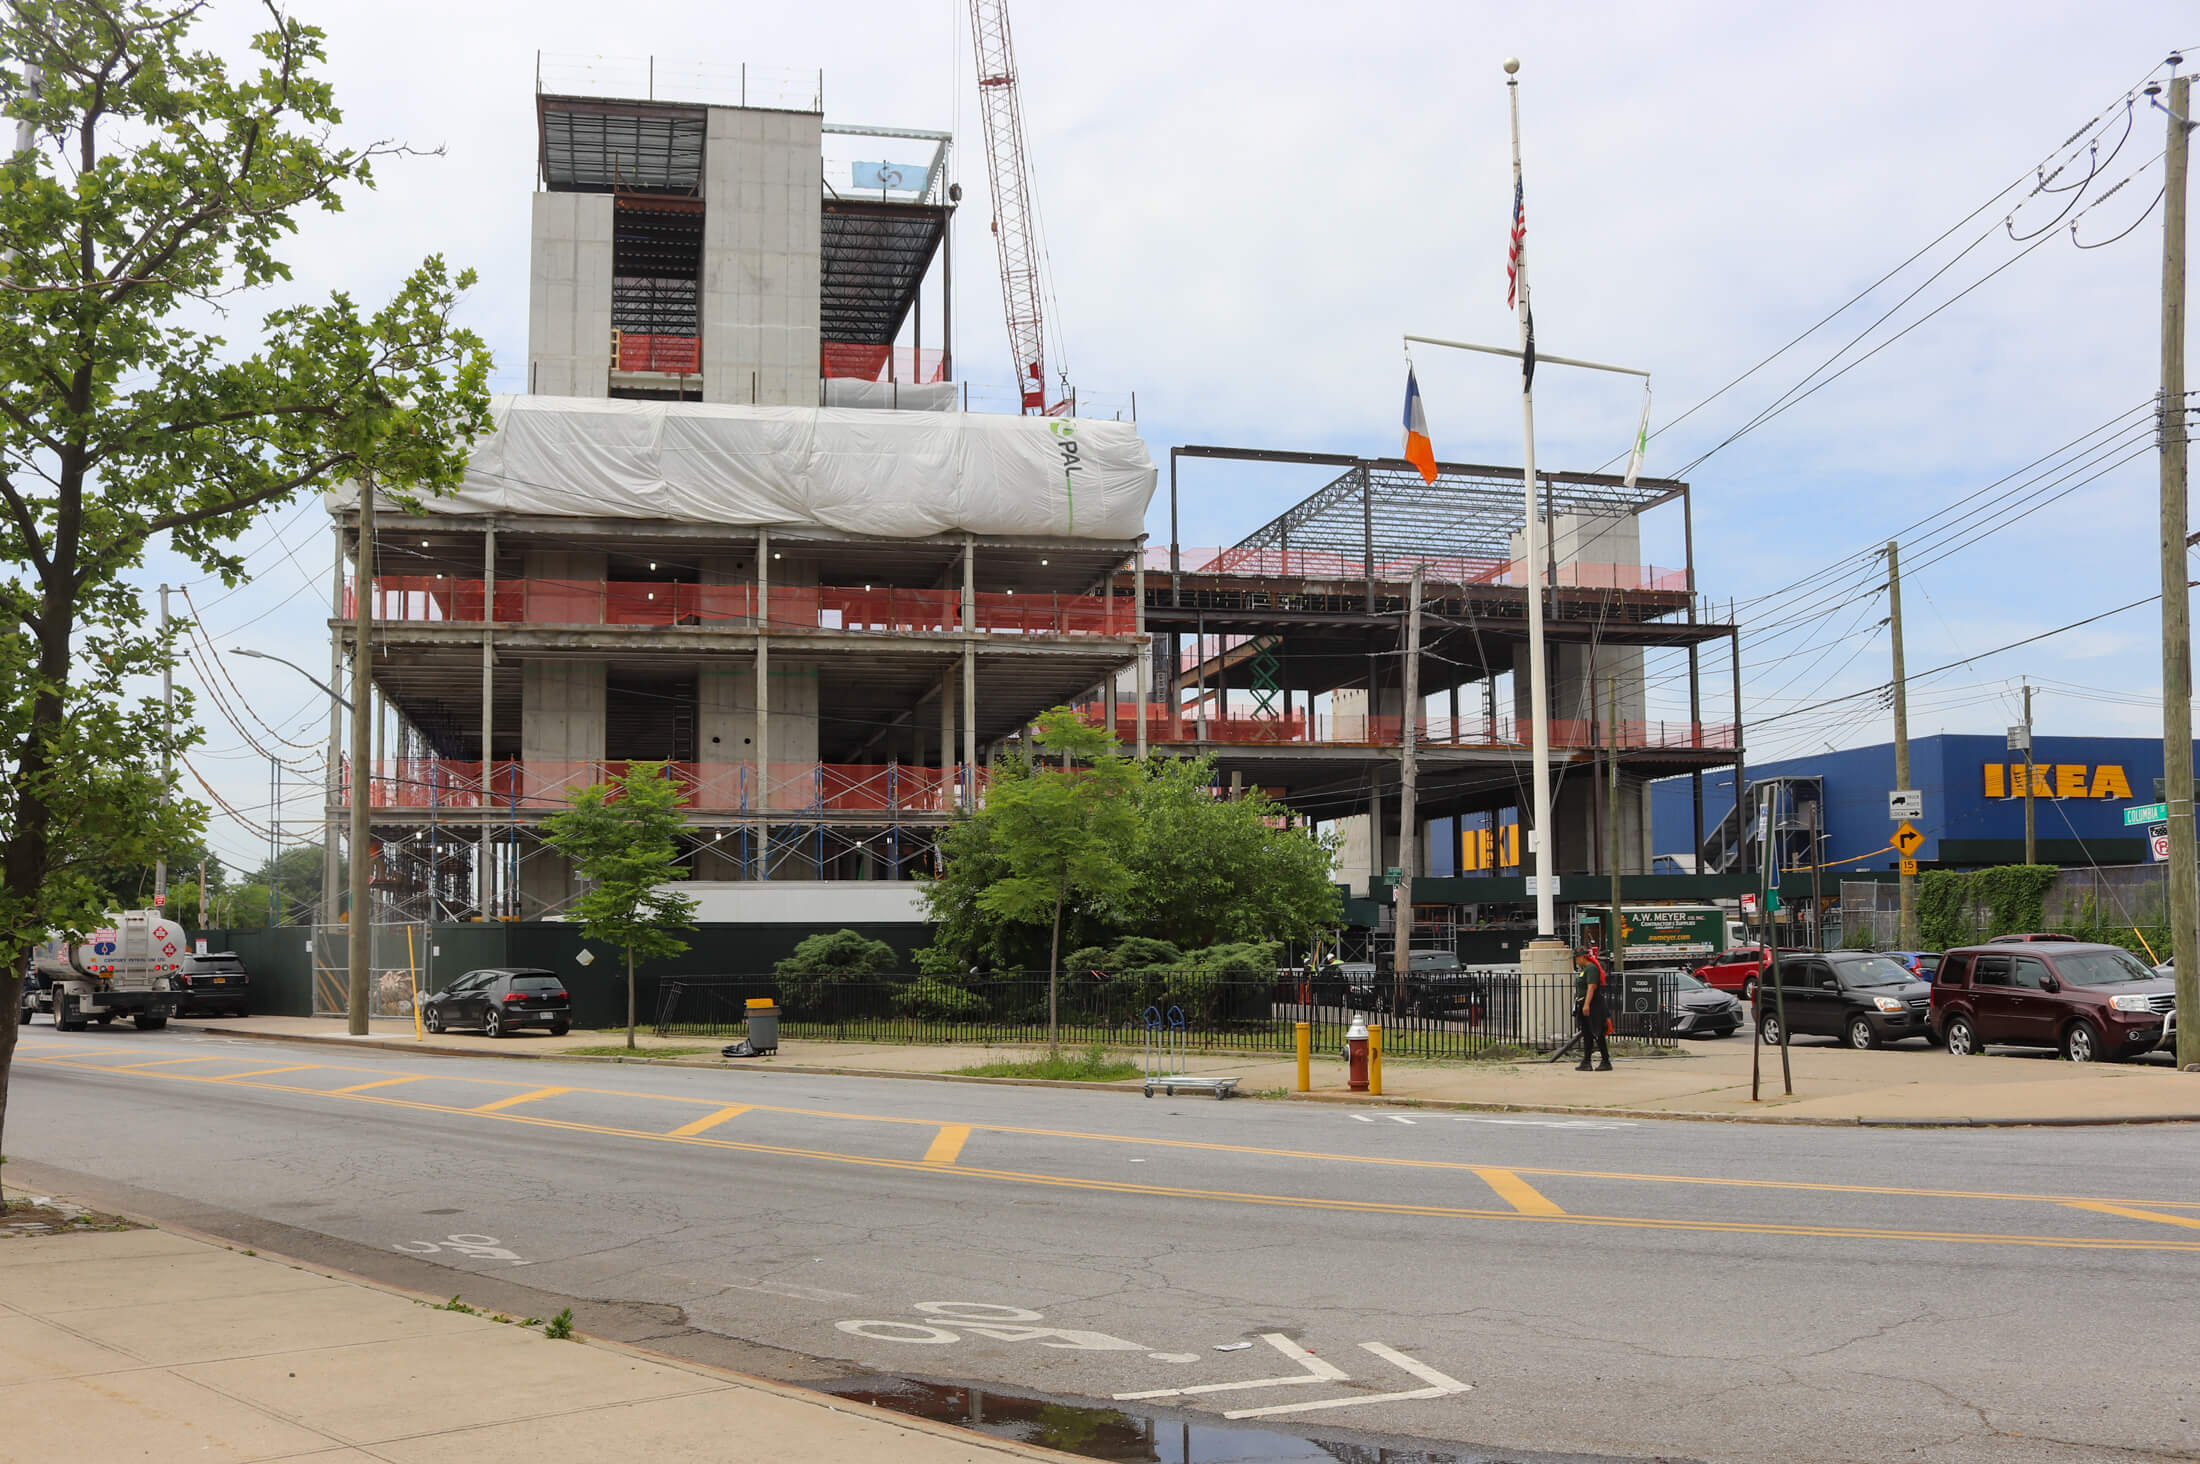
(1355, 1051)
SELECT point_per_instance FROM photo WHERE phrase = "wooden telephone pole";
(2184, 868)
(1905, 884)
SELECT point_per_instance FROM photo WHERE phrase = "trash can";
(763, 1024)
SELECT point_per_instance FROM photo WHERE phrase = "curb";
(1130, 1087)
(840, 1407)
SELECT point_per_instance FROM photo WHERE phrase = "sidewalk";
(149, 1344)
(1703, 1080)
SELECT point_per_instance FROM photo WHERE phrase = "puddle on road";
(1117, 1435)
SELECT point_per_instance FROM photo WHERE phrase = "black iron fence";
(1457, 1014)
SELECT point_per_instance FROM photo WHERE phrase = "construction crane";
(1014, 229)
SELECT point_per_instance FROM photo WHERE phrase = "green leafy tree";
(624, 841)
(1201, 870)
(828, 959)
(1209, 870)
(1061, 834)
(155, 190)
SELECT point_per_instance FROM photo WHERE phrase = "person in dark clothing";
(1592, 1013)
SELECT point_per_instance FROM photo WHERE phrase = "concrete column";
(1145, 643)
(948, 692)
(970, 672)
(760, 796)
(483, 872)
(762, 257)
(569, 295)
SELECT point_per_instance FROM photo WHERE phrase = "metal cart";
(1166, 1046)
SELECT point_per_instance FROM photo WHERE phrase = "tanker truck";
(126, 970)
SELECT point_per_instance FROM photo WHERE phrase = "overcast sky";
(1247, 206)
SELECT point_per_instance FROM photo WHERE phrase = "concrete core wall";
(569, 295)
(761, 257)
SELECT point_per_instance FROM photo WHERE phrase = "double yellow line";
(1524, 1203)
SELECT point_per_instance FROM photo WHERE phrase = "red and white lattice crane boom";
(1015, 233)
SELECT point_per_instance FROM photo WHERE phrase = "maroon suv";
(2095, 1002)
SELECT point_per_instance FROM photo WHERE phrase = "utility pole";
(167, 756)
(1409, 800)
(1772, 942)
(2184, 894)
(359, 944)
(2031, 841)
(1615, 936)
(1905, 884)
(274, 836)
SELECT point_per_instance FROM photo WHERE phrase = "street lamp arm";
(325, 688)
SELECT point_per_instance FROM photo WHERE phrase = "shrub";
(825, 961)
(934, 1000)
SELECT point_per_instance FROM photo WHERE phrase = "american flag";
(1512, 256)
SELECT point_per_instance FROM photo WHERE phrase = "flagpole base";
(1546, 990)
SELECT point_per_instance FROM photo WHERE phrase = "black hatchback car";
(500, 1000)
(1861, 998)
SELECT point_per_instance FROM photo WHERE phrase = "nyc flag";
(1418, 450)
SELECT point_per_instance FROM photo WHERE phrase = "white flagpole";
(1539, 691)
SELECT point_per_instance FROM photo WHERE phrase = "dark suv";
(1436, 985)
(214, 985)
(2095, 1002)
(1861, 998)
(498, 1001)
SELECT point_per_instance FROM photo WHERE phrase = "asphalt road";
(1609, 1288)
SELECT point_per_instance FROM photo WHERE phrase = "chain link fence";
(398, 963)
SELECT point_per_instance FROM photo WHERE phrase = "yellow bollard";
(1375, 1062)
(1306, 1056)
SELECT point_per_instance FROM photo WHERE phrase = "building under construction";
(1284, 656)
(740, 525)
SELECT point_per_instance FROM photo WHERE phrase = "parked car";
(214, 985)
(1739, 970)
(1692, 1009)
(2095, 1002)
(1435, 985)
(1861, 997)
(500, 1000)
(1922, 964)
(2030, 936)
(2167, 968)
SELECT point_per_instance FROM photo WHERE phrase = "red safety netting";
(681, 354)
(850, 361)
(541, 785)
(1349, 729)
(830, 607)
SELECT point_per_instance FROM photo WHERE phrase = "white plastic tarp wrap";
(900, 475)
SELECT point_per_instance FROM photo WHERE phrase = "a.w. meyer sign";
(1663, 932)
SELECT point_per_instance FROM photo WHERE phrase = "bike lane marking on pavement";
(947, 1144)
(517, 1099)
(1033, 1178)
(1440, 1385)
(1518, 1193)
(708, 1121)
(1312, 1370)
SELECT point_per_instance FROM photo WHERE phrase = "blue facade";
(1974, 800)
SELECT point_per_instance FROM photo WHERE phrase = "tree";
(1061, 834)
(1208, 869)
(623, 839)
(153, 195)
(1202, 870)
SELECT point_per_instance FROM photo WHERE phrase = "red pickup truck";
(1739, 970)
